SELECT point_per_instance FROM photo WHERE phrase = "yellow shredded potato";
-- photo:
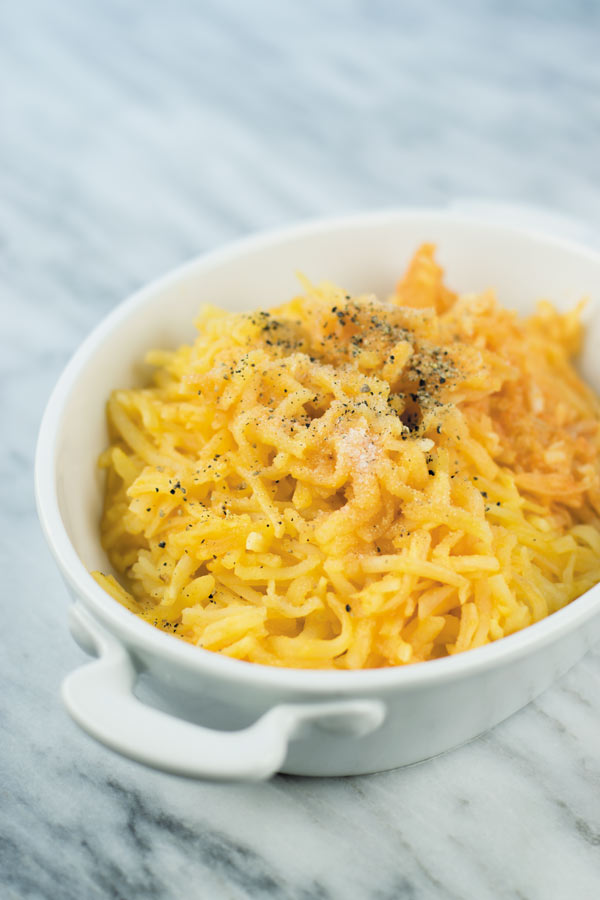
(344, 482)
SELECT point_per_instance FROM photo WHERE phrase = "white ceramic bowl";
(302, 722)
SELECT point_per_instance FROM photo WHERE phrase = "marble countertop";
(135, 135)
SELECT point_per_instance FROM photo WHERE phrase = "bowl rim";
(140, 635)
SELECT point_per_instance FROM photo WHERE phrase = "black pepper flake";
(162, 544)
(348, 607)
(431, 472)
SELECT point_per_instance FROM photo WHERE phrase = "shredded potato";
(344, 483)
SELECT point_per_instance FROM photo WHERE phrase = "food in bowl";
(343, 482)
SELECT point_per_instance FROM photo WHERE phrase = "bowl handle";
(99, 696)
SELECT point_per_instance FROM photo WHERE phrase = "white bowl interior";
(366, 254)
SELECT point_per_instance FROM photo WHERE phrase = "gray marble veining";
(135, 135)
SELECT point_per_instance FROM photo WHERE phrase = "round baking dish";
(295, 721)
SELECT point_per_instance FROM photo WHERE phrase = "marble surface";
(136, 134)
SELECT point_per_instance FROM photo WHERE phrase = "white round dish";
(302, 722)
